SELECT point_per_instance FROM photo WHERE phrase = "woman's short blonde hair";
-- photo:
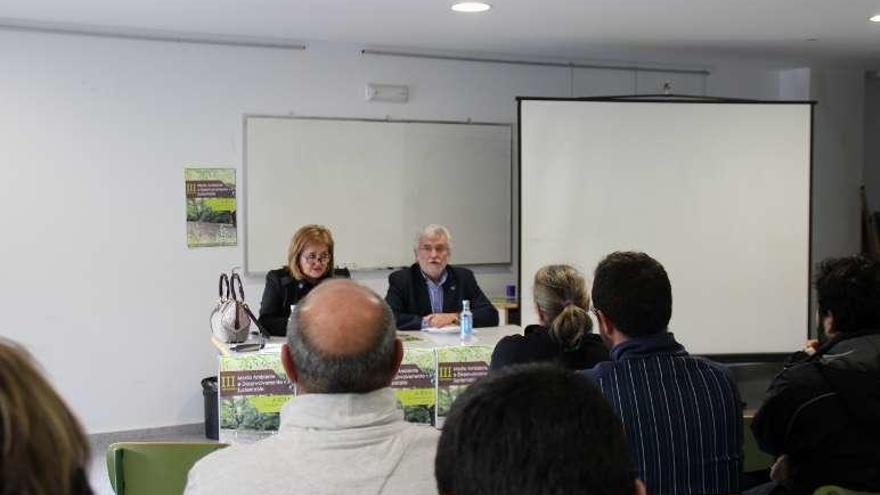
(561, 293)
(43, 449)
(308, 234)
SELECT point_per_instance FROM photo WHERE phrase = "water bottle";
(466, 320)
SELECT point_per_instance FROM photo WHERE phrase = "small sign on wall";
(210, 207)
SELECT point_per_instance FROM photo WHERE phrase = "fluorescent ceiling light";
(874, 18)
(470, 7)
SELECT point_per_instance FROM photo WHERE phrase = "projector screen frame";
(738, 358)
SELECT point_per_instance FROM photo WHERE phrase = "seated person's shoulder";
(515, 349)
(461, 271)
(423, 434)
(512, 342)
(399, 275)
(278, 273)
(805, 376)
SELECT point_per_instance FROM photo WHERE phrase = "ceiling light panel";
(470, 7)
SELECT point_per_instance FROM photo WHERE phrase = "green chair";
(753, 458)
(155, 468)
(836, 490)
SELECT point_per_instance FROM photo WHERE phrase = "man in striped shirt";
(681, 414)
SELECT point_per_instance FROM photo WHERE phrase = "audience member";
(43, 449)
(344, 431)
(682, 414)
(429, 293)
(533, 430)
(822, 413)
(564, 335)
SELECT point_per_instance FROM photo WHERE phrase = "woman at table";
(309, 261)
(564, 335)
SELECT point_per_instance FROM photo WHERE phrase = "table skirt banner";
(253, 388)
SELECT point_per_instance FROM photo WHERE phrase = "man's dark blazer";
(409, 299)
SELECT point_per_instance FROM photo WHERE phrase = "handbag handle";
(240, 296)
(224, 283)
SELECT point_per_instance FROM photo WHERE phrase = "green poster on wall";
(210, 207)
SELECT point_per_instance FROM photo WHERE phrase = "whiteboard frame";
(242, 207)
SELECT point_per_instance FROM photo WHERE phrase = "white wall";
(98, 282)
(838, 131)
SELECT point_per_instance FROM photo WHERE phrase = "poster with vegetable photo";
(414, 385)
(252, 390)
(457, 368)
(210, 207)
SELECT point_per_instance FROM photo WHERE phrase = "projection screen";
(718, 192)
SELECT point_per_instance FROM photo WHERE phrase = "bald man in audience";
(344, 431)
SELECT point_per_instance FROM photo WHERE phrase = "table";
(508, 310)
(436, 368)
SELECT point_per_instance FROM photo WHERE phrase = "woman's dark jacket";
(283, 290)
(538, 345)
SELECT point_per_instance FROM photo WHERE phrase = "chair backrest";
(753, 458)
(836, 490)
(156, 468)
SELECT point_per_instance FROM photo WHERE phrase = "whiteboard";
(719, 193)
(375, 184)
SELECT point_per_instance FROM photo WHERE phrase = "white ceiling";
(560, 28)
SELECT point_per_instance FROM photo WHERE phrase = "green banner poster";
(210, 207)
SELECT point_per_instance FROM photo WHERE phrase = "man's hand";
(438, 320)
(780, 472)
(811, 346)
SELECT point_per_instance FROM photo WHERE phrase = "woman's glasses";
(315, 258)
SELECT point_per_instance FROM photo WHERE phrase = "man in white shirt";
(344, 431)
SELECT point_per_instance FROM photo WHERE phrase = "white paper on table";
(446, 329)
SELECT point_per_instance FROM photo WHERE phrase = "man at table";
(429, 293)
(344, 431)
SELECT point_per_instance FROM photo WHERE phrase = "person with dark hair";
(682, 414)
(532, 430)
(821, 416)
(344, 432)
(565, 334)
(43, 449)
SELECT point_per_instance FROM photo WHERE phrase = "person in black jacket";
(429, 293)
(821, 416)
(564, 335)
(309, 261)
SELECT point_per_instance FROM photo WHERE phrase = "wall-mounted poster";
(210, 207)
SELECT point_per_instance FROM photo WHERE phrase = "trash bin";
(209, 390)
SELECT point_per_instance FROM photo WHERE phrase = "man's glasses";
(315, 258)
(427, 248)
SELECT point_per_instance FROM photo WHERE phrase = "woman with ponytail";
(565, 333)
